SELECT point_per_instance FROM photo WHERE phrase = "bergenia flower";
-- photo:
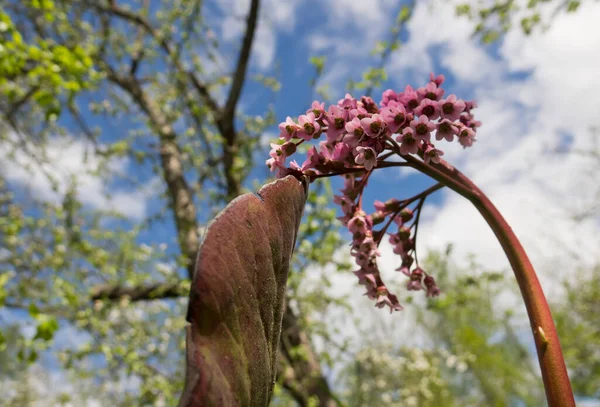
(428, 108)
(432, 288)
(310, 127)
(409, 143)
(394, 116)
(354, 129)
(336, 122)
(348, 102)
(318, 109)
(446, 130)
(466, 137)
(409, 98)
(282, 150)
(358, 113)
(275, 165)
(415, 280)
(422, 128)
(358, 224)
(430, 91)
(369, 104)
(388, 96)
(432, 154)
(374, 126)
(451, 107)
(366, 157)
(288, 129)
(438, 80)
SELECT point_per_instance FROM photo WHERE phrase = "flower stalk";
(554, 371)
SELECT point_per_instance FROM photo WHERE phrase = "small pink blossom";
(388, 96)
(282, 150)
(374, 126)
(365, 277)
(432, 288)
(415, 280)
(288, 129)
(366, 157)
(348, 103)
(451, 107)
(432, 154)
(354, 127)
(470, 105)
(360, 113)
(438, 80)
(318, 109)
(310, 127)
(446, 130)
(422, 128)
(466, 137)
(358, 224)
(428, 108)
(409, 98)
(336, 121)
(409, 143)
(394, 116)
(384, 300)
(345, 203)
(430, 91)
(369, 104)
(275, 165)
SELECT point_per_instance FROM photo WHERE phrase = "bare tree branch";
(239, 77)
(182, 201)
(165, 45)
(140, 293)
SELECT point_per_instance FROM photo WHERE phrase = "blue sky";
(532, 93)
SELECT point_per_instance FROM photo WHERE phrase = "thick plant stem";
(552, 364)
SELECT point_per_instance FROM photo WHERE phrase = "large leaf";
(237, 295)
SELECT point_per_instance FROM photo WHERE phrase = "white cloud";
(348, 35)
(274, 17)
(64, 160)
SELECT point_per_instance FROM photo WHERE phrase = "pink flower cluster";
(360, 134)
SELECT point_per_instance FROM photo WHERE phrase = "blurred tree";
(578, 323)
(160, 83)
(152, 72)
(494, 19)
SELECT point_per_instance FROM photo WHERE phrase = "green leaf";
(404, 14)
(319, 63)
(463, 10)
(573, 6)
(34, 311)
(46, 328)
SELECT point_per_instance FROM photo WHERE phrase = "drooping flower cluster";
(359, 136)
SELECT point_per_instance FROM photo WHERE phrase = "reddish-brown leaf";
(237, 295)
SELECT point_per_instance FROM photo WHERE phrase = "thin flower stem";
(405, 203)
(381, 232)
(335, 174)
(550, 357)
(416, 223)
